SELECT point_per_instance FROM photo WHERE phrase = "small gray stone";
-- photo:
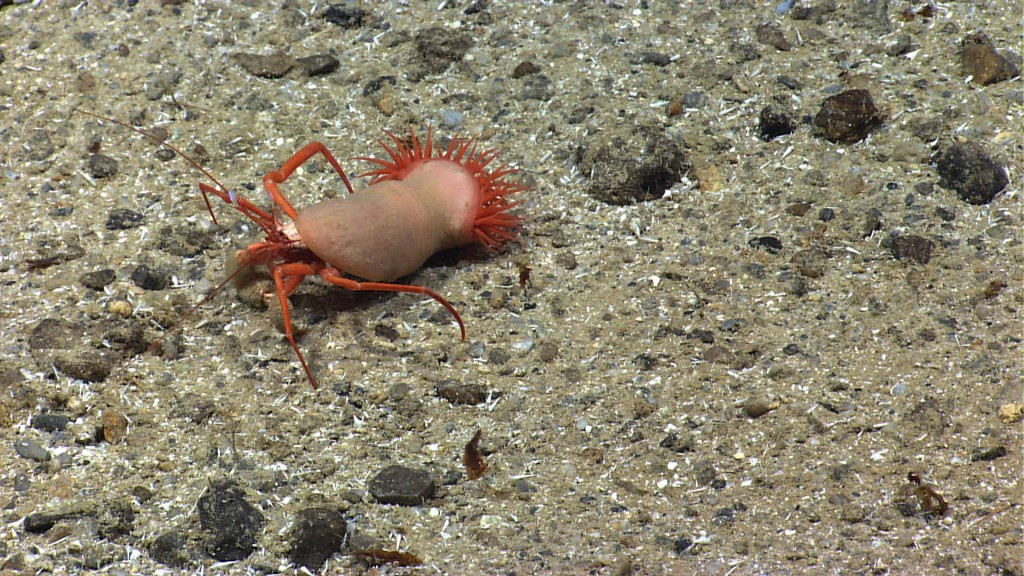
(31, 449)
(101, 166)
(232, 524)
(169, 548)
(402, 485)
(50, 422)
(99, 279)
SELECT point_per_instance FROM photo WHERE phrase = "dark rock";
(319, 533)
(915, 249)
(826, 214)
(344, 16)
(872, 222)
(439, 47)
(847, 117)
(525, 68)
(774, 123)
(39, 522)
(771, 35)
(498, 356)
(151, 278)
(318, 64)
(165, 154)
(100, 166)
(769, 244)
(31, 449)
(169, 549)
(695, 100)
(375, 85)
(402, 485)
(124, 219)
(798, 208)
(989, 454)
(99, 279)
(50, 422)
(273, 66)
(635, 168)
(968, 170)
(232, 524)
(683, 546)
(903, 44)
(462, 394)
(719, 355)
(983, 63)
(723, 516)
(655, 58)
(678, 442)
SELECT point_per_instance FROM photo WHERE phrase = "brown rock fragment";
(847, 117)
(983, 63)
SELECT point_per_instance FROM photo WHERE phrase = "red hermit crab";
(422, 199)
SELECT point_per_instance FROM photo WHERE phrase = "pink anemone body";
(419, 202)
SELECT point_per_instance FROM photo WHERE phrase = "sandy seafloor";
(619, 383)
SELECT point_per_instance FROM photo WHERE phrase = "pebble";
(346, 17)
(678, 442)
(983, 63)
(50, 422)
(773, 123)
(115, 426)
(40, 146)
(756, 406)
(39, 522)
(439, 47)
(319, 533)
(99, 279)
(124, 219)
(187, 241)
(968, 169)
(151, 278)
(32, 450)
(100, 166)
(452, 119)
(769, 244)
(120, 307)
(461, 394)
(847, 117)
(537, 87)
(169, 549)
(547, 351)
(318, 64)
(273, 66)
(232, 524)
(771, 35)
(916, 249)
(989, 454)
(525, 68)
(402, 485)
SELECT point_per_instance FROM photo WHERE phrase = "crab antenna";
(172, 148)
